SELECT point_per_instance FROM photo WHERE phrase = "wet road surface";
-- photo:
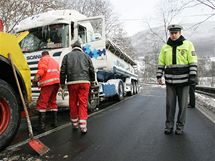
(131, 130)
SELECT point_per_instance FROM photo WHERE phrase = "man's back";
(77, 66)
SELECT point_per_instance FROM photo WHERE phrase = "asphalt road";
(131, 130)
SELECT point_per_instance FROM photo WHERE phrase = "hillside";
(202, 37)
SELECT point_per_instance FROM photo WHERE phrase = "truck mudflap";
(94, 99)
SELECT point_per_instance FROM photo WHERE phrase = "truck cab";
(55, 31)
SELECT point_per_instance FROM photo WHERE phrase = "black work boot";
(54, 123)
(179, 129)
(179, 132)
(168, 131)
(42, 119)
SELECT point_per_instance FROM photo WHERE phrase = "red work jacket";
(48, 71)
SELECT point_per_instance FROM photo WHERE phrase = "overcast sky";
(133, 13)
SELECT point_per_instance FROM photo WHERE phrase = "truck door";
(91, 33)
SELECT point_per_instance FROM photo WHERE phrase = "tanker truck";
(56, 30)
(10, 101)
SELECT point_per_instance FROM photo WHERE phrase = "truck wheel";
(135, 88)
(120, 94)
(93, 99)
(130, 93)
(92, 105)
(9, 114)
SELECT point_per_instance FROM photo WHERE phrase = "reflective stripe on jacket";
(48, 71)
(178, 63)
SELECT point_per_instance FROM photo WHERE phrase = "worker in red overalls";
(77, 69)
(48, 79)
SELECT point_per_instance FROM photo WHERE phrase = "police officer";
(178, 62)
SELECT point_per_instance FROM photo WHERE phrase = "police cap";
(174, 27)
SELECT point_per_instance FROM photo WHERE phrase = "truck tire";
(9, 114)
(135, 88)
(120, 94)
(93, 99)
(91, 105)
(130, 93)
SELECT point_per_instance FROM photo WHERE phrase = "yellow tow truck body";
(10, 101)
(9, 44)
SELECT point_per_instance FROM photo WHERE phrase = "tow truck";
(10, 101)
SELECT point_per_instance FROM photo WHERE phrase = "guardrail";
(209, 91)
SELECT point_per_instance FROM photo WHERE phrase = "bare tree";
(122, 40)
(13, 11)
(39, 6)
(114, 29)
(210, 4)
(194, 4)
(95, 8)
(169, 11)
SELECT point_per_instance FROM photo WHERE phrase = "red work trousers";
(47, 98)
(78, 101)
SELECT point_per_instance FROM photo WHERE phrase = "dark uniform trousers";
(176, 94)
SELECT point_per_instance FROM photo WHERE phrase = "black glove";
(193, 80)
(34, 83)
(35, 80)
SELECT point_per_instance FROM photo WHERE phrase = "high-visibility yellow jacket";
(178, 61)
